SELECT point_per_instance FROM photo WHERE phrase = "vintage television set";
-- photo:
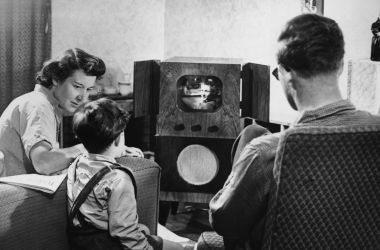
(192, 108)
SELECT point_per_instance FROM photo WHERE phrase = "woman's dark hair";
(62, 67)
(98, 123)
(313, 45)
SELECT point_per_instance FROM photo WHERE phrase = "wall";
(123, 31)
(245, 29)
(119, 31)
(248, 29)
(355, 19)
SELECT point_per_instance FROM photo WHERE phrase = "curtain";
(25, 43)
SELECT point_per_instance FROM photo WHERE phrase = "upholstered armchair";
(326, 191)
(33, 220)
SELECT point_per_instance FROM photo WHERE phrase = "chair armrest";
(30, 219)
(147, 174)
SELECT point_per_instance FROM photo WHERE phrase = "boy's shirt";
(111, 205)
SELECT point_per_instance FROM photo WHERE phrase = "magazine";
(45, 183)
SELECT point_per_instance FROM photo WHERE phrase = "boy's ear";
(55, 83)
(117, 140)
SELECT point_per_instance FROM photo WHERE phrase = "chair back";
(327, 194)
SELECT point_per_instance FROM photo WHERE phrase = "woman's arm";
(47, 160)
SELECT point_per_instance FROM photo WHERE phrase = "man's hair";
(62, 67)
(313, 45)
(98, 123)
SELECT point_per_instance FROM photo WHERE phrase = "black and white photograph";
(189, 124)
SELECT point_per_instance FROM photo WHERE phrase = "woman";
(29, 126)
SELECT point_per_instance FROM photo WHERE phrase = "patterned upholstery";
(329, 189)
(35, 220)
(210, 241)
(31, 219)
(147, 174)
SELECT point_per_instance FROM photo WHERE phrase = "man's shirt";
(238, 210)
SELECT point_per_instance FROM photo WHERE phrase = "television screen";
(199, 93)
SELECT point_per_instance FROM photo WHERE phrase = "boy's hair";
(98, 123)
(62, 67)
(313, 45)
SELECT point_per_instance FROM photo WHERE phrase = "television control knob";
(179, 127)
(213, 129)
(196, 128)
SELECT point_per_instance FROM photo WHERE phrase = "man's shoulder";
(266, 141)
(263, 147)
(376, 118)
(365, 117)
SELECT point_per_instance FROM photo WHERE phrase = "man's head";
(310, 47)
(98, 124)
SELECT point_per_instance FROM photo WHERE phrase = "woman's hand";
(132, 152)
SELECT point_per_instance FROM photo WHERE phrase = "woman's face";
(74, 90)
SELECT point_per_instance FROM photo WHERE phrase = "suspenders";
(91, 184)
(89, 237)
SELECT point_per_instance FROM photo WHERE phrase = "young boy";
(107, 218)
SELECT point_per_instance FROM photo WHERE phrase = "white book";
(45, 183)
(166, 234)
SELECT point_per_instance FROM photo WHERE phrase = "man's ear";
(289, 76)
(341, 66)
(293, 79)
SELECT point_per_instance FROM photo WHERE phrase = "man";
(310, 62)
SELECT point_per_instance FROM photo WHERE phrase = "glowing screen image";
(199, 93)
